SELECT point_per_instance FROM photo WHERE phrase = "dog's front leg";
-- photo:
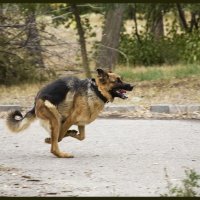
(80, 135)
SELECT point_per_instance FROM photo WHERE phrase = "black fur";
(30, 113)
(14, 114)
(98, 93)
(54, 92)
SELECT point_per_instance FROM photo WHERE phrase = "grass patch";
(186, 71)
(158, 73)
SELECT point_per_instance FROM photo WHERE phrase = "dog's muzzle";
(120, 90)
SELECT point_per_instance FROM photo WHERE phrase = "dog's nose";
(130, 87)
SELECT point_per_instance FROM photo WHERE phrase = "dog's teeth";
(18, 118)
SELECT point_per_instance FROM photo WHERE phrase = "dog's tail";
(16, 122)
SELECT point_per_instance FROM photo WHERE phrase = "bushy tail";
(16, 122)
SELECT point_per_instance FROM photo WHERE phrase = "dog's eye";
(118, 80)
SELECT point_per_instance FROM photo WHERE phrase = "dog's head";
(111, 85)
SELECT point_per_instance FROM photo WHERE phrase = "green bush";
(140, 53)
(14, 70)
(172, 49)
(17, 66)
(191, 52)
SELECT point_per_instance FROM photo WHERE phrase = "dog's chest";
(66, 107)
(89, 111)
(82, 108)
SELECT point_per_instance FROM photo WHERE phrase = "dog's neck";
(97, 91)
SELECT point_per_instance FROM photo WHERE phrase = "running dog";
(70, 101)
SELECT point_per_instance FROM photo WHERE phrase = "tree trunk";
(193, 22)
(1, 14)
(182, 17)
(33, 40)
(156, 24)
(107, 52)
(81, 40)
(136, 24)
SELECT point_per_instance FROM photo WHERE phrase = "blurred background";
(154, 45)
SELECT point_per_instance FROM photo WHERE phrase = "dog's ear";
(102, 75)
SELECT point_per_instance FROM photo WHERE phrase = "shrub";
(171, 49)
(188, 185)
(14, 70)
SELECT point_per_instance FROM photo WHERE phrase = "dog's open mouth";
(121, 90)
(121, 93)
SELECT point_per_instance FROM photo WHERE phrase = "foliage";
(188, 185)
(177, 46)
(191, 52)
(63, 15)
(14, 70)
(147, 51)
(180, 48)
(16, 64)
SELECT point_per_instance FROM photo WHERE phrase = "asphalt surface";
(117, 158)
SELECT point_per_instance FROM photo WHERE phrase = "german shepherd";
(70, 101)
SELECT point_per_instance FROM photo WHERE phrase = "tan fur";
(78, 110)
(109, 83)
(73, 110)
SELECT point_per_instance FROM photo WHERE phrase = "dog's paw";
(71, 133)
(65, 155)
(47, 140)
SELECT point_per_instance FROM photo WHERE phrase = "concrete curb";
(121, 108)
(175, 109)
(157, 108)
(4, 108)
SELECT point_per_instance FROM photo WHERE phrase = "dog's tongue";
(122, 91)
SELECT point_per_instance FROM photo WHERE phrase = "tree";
(32, 42)
(194, 13)
(182, 17)
(19, 45)
(81, 40)
(155, 20)
(107, 52)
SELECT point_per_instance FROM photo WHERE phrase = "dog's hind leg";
(47, 111)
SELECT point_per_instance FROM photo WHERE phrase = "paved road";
(117, 158)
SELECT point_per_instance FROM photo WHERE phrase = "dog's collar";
(98, 93)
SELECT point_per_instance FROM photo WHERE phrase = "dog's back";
(56, 91)
(72, 96)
